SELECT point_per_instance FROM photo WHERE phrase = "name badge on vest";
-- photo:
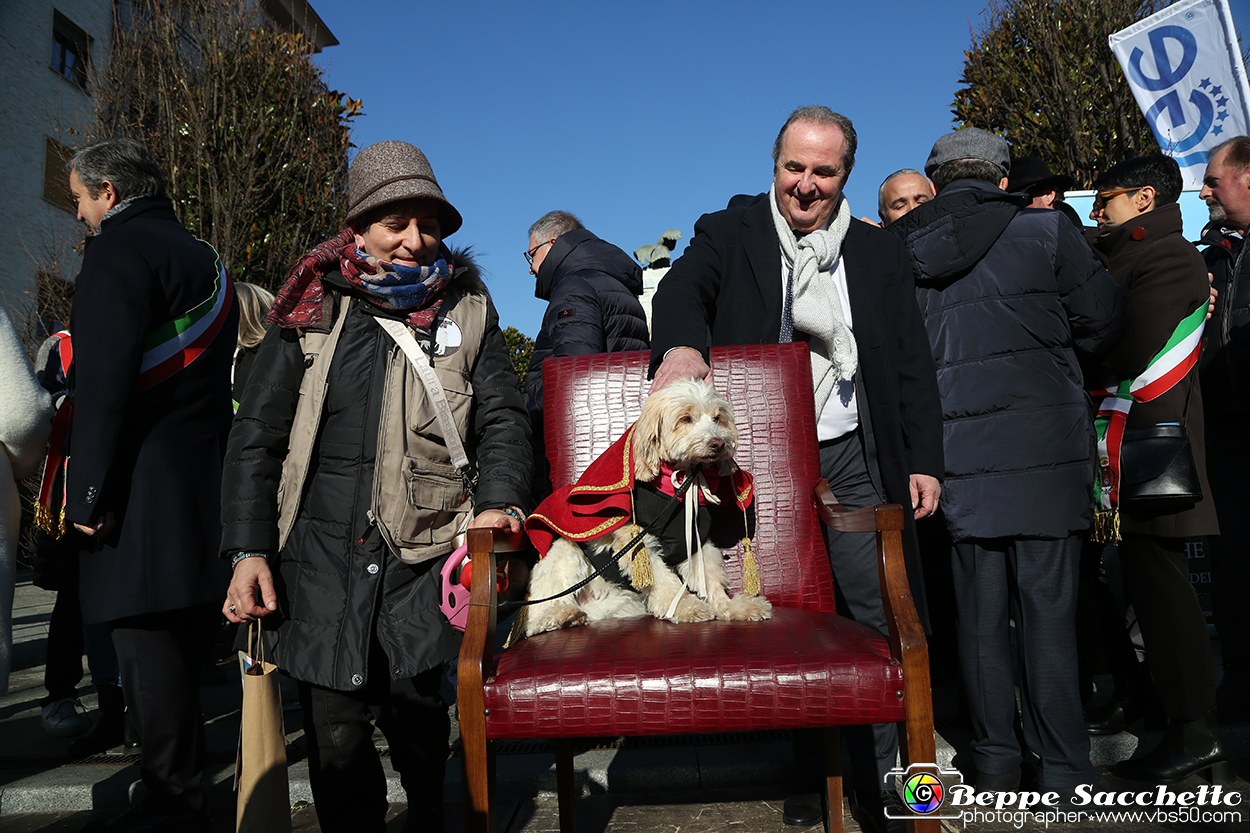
(447, 340)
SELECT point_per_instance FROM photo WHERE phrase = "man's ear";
(108, 193)
(1002, 183)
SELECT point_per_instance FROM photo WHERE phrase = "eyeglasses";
(529, 256)
(1103, 197)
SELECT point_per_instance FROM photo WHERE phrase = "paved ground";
(691, 785)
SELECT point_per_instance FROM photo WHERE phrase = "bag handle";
(434, 389)
(255, 645)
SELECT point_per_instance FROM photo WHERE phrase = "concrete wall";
(38, 103)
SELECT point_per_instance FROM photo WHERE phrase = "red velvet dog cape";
(602, 500)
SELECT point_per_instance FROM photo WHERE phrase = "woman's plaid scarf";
(416, 291)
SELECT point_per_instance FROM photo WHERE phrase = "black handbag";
(1157, 463)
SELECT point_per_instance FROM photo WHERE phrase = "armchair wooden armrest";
(907, 640)
(475, 667)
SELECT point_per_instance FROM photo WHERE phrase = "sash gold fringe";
(55, 527)
(1106, 526)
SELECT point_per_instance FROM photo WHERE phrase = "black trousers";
(1173, 627)
(160, 656)
(1033, 582)
(1231, 551)
(873, 750)
(344, 770)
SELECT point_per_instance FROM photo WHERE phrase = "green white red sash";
(1166, 369)
(54, 465)
(166, 350)
(175, 344)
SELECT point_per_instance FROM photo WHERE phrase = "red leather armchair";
(805, 667)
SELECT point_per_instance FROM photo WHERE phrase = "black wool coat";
(726, 289)
(151, 458)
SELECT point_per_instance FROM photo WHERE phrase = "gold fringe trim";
(1106, 526)
(55, 527)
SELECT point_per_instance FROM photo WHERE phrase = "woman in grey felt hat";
(343, 490)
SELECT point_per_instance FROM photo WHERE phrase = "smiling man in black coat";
(154, 326)
(791, 266)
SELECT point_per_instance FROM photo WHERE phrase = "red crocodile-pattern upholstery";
(589, 401)
(646, 676)
(804, 667)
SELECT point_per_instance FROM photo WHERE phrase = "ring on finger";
(232, 608)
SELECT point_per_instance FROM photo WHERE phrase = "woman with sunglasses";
(1152, 374)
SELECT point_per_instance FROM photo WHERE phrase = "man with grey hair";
(591, 288)
(1011, 298)
(154, 325)
(902, 191)
(791, 265)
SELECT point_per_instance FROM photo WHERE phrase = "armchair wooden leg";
(565, 786)
(479, 780)
(833, 778)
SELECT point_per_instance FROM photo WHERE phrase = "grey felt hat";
(969, 143)
(390, 171)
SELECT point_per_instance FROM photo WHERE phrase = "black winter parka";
(1226, 354)
(592, 290)
(341, 591)
(1011, 297)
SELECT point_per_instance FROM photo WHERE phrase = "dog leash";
(506, 608)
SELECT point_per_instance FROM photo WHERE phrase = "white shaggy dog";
(685, 426)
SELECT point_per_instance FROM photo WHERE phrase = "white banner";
(1185, 69)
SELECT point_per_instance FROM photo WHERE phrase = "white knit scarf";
(817, 306)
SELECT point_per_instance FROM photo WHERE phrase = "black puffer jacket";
(1226, 356)
(1010, 297)
(339, 586)
(592, 288)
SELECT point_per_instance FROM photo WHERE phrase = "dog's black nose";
(715, 445)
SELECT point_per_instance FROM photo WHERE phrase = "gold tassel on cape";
(1106, 526)
(640, 565)
(750, 575)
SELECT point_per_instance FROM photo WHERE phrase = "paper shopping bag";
(264, 800)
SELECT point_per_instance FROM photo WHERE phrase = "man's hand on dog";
(925, 491)
(680, 363)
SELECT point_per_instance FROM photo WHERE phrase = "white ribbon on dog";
(693, 544)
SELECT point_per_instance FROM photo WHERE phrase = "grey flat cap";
(969, 143)
(391, 171)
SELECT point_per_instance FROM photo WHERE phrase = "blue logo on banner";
(1208, 100)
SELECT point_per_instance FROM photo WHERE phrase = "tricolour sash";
(169, 348)
(1166, 369)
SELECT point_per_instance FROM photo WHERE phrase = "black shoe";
(994, 782)
(141, 819)
(1107, 720)
(1189, 747)
(108, 729)
(868, 808)
(803, 810)
(130, 732)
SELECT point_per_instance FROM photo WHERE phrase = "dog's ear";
(647, 441)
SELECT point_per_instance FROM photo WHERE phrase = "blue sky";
(639, 116)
